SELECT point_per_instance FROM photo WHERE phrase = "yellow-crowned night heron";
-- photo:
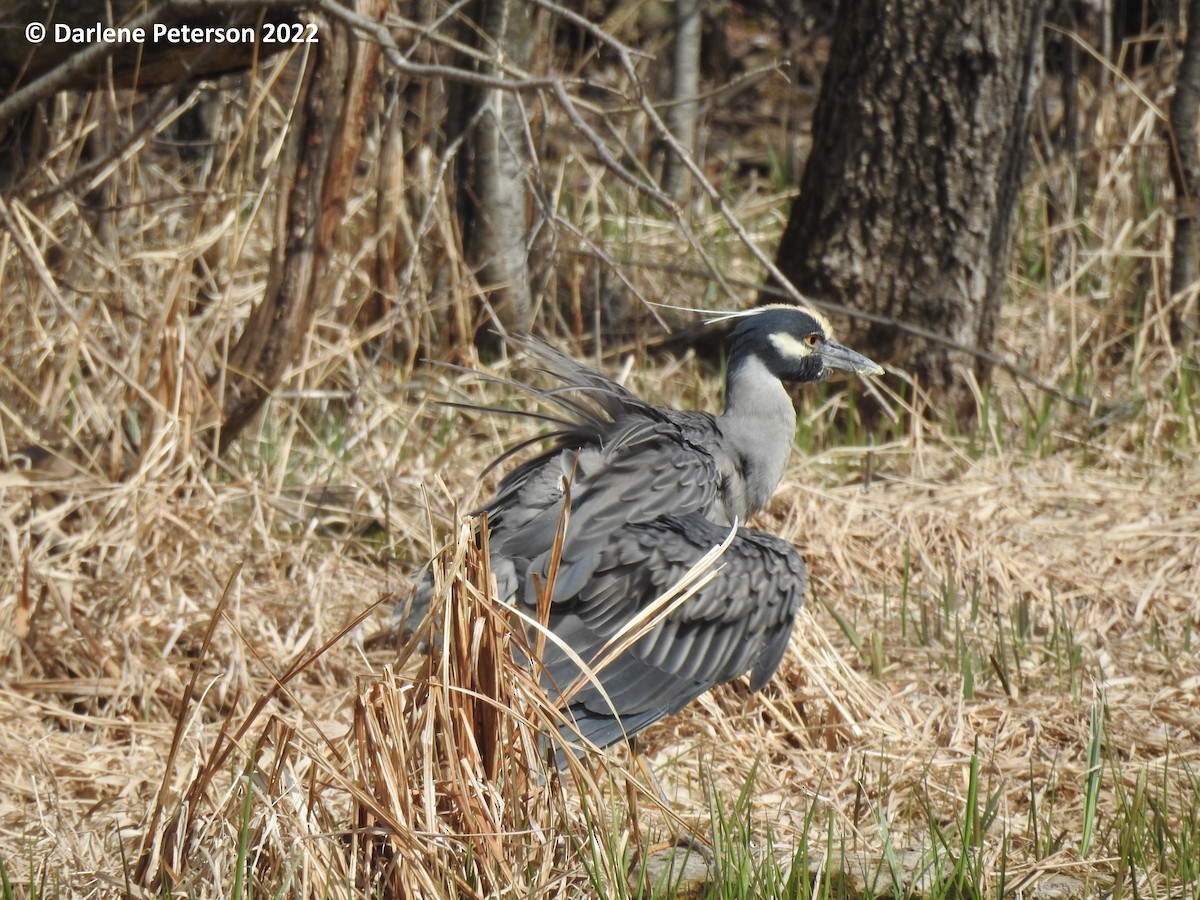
(651, 491)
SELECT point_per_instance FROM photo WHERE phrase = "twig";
(606, 157)
(150, 123)
(145, 858)
(380, 32)
(660, 127)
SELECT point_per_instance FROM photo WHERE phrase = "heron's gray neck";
(760, 422)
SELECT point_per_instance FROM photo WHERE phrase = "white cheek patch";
(789, 346)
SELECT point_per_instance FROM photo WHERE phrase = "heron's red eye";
(812, 340)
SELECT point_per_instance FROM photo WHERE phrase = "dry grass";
(191, 704)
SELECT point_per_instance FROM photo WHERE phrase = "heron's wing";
(633, 431)
(642, 471)
(737, 623)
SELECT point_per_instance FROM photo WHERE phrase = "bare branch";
(625, 57)
(606, 157)
(383, 36)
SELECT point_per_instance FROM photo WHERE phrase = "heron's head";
(794, 343)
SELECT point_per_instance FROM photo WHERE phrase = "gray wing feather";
(642, 472)
(583, 381)
(738, 623)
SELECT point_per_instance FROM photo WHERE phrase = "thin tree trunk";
(685, 86)
(907, 201)
(497, 227)
(1185, 172)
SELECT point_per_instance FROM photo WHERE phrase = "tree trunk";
(907, 200)
(321, 154)
(685, 87)
(495, 222)
(1185, 173)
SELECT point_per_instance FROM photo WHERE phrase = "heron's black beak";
(843, 359)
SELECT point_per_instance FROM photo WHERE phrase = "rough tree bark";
(1185, 173)
(322, 151)
(907, 200)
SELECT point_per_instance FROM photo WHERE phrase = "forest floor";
(997, 666)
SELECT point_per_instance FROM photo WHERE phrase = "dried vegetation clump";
(996, 671)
